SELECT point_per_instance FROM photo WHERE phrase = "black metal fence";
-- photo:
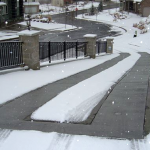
(50, 51)
(101, 47)
(10, 54)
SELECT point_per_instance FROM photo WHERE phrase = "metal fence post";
(49, 51)
(76, 49)
(85, 48)
(64, 50)
(98, 48)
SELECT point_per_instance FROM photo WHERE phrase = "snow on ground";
(51, 10)
(107, 17)
(126, 41)
(5, 35)
(81, 6)
(18, 83)
(35, 140)
(26, 81)
(76, 103)
(50, 26)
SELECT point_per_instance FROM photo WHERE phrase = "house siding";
(145, 4)
(14, 11)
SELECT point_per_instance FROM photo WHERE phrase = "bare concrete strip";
(124, 109)
(12, 114)
(120, 116)
(147, 113)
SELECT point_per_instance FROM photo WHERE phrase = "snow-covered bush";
(135, 25)
(143, 31)
(118, 15)
(143, 25)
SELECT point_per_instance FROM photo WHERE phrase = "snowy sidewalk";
(13, 114)
(123, 112)
(120, 116)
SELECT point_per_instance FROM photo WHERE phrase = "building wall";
(145, 6)
(61, 3)
(31, 0)
(31, 6)
(57, 2)
(31, 9)
(13, 11)
(131, 6)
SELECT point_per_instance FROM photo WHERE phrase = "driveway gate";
(61, 50)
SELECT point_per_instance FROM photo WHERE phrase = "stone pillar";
(91, 46)
(30, 48)
(109, 45)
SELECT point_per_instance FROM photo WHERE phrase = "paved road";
(87, 27)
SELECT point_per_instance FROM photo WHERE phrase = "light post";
(65, 16)
(28, 22)
(76, 8)
(28, 18)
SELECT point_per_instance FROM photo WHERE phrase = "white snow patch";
(76, 103)
(17, 83)
(5, 35)
(36, 140)
(50, 26)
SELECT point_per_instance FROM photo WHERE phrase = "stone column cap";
(90, 35)
(28, 32)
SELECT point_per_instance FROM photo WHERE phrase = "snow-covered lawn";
(15, 86)
(17, 83)
(50, 26)
(107, 17)
(76, 103)
(51, 10)
(35, 140)
(4, 35)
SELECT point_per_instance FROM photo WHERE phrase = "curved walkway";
(120, 116)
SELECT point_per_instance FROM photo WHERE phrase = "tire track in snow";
(3, 135)
(60, 142)
(139, 145)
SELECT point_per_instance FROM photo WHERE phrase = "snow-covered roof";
(2, 4)
(31, 3)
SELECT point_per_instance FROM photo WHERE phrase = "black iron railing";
(101, 47)
(50, 51)
(10, 54)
